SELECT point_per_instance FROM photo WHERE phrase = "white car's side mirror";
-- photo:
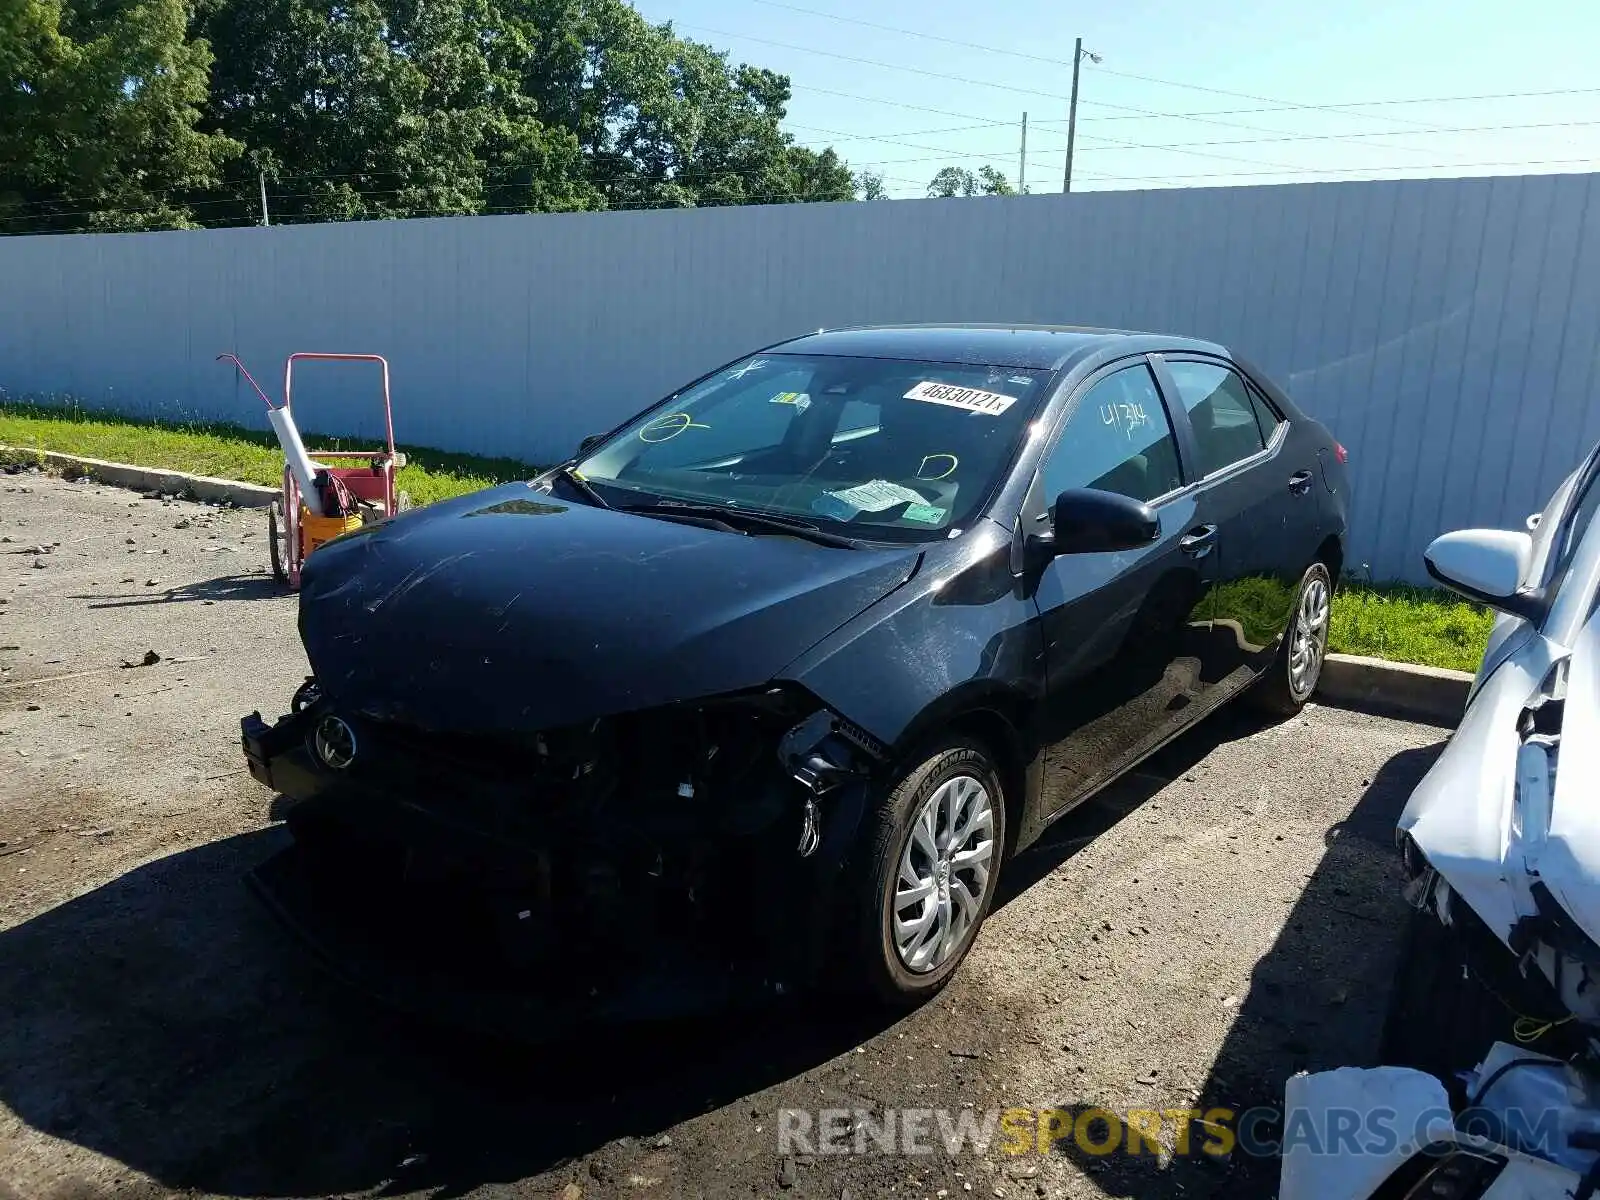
(1486, 565)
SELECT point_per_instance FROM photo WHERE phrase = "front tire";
(1298, 665)
(930, 864)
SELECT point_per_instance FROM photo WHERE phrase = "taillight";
(1341, 453)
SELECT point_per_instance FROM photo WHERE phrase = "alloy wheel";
(1309, 641)
(944, 874)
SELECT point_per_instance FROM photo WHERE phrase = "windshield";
(888, 448)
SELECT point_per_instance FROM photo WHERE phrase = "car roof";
(1041, 347)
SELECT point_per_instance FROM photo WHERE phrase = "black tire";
(1442, 1018)
(869, 886)
(277, 547)
(1278, 692)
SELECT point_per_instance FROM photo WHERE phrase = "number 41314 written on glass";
(1127, 417)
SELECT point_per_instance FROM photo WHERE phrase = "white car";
(1498, 994)
(1499, 844)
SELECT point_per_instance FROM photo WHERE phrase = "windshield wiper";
(582, 486)
(745, 520)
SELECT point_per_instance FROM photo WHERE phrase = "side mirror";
(1088, 521)
(589, 443)
(1486, 565)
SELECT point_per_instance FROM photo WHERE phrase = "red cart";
(368, 476)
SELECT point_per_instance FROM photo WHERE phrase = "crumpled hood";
(511, 610)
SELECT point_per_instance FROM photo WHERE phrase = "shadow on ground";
(1317, 1000)
(163, 1021)
(244, 586)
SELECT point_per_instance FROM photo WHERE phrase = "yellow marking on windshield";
(668, 427)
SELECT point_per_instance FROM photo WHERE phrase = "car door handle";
(1300, 483)
(1199, 540)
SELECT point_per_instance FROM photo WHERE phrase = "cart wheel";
(278, 543)
(402, 502)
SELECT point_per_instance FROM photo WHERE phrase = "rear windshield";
(889, 448)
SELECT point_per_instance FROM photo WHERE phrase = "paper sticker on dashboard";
(799, 399)
(877, 495)
(971, 399)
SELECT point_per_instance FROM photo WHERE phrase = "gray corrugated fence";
(1447, 330)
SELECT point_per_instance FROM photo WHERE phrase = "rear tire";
(926, 875)
(1294, 673)
(278, 543)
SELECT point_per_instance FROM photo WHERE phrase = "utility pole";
(1022, 159)
(261, 178)
(1078, 55)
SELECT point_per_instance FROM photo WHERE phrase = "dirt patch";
(1220, 919)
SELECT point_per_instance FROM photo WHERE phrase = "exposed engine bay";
(592, 859)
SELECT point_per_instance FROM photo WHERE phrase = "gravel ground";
(1220, 919)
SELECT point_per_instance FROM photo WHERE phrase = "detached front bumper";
(443, 894)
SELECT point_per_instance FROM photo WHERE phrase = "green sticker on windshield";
(928, 514)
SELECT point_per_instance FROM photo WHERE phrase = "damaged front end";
(1502, 839)
(638, 865)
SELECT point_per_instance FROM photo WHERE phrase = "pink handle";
(234, 359)
(388, 411)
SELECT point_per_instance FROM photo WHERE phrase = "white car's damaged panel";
(1461, 816)
(1568, 860)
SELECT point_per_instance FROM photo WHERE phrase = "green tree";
(363, 108)
(870, 186)
(957, 181)
(381, 108)
(993, 183)
(664, 120)
(99, 109)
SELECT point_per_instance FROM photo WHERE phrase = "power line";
(1456, 166)
(1336, 137)
(1278, 137)
(1216, 112)
(988, 83)
(1483, 97)
(1057, 62)
(1120, 144)
(891, 141)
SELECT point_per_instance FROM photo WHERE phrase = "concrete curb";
(153, 479)
(1429, 694)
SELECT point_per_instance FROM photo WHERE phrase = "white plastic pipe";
(294, 453)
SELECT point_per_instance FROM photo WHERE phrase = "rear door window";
(1266, 419)
(1222, 411)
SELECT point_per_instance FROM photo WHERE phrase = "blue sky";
(1004, 57)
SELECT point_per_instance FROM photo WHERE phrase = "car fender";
(1460, 815)
(960, 636)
